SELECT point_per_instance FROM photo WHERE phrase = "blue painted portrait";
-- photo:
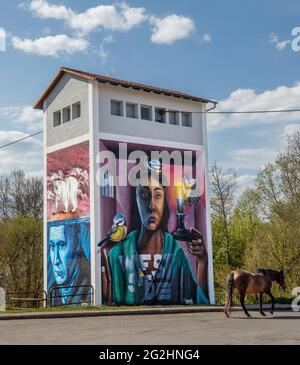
(69, 261)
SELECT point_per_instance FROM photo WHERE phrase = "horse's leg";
(260, 304)
(242, 300)
(229, 294)
(273, 300)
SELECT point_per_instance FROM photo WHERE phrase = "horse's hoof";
(248, 315)
(263, 314)
(271, 312)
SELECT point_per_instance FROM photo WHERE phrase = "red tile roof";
(105, 79)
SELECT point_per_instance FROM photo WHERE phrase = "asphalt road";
(177, 329)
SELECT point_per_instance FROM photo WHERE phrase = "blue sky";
(237, 52)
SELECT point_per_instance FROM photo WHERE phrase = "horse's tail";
(229, 298)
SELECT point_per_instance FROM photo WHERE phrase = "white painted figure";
(66, 191)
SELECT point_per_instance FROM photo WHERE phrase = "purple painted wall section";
(195, 216)
(121, 199)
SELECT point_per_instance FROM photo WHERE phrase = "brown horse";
(247, 282)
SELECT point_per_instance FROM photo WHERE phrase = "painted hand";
(196, 247)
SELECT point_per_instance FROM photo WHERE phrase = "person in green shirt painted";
(149, 267)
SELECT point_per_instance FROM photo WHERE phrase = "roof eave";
(91, 77)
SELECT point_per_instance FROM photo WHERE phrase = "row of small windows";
(146, 113)
(67, 114)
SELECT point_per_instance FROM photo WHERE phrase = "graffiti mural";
(154, 252)
(68, 233)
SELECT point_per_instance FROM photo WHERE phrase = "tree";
(21, 196)
(21, 232)
(277, 242)
(223, 184)
(21, 253)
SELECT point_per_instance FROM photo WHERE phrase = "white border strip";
(95, 207)
(68, 143)
(149, 142)
(45, 223)
(211, 288)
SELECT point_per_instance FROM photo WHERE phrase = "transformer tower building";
(156, 236)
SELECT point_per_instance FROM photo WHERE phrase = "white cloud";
(31, 118)
(39, 173)
(273, 38)
(119, 17)
(249, 158)
(244, 182)
(171, 29)
(206, 38)
(291, 129)
(281, 98)
(106, 17)
(278, 45)
(132, 16)
(103, 53)
(108, 39)
(23, 155)
(50, 45)
(116, 17)
(22, 6)
(44, 10)
(281, 45)
(25, 117)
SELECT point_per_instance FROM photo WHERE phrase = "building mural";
(68, 233)
(153, 247)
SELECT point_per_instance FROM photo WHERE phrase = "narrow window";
(107, 185)
(131, 110)
(76, 110)
(186, 119)
(56, 118)
(160, 115)
(116, 108)
(173, 117)
(66, 114)
(146, 112)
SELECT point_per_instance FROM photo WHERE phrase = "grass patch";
(69, 309)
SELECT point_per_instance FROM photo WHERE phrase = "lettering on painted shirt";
(149, 264)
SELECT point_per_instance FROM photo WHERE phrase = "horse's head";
(280, 279)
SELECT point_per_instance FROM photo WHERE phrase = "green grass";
(69, 308)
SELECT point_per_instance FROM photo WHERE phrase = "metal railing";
(26, 299)
(56, 295)
(220, 298)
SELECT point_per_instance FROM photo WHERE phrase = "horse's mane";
(268, 272)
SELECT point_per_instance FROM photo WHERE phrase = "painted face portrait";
(59, 253)
(150, 201)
